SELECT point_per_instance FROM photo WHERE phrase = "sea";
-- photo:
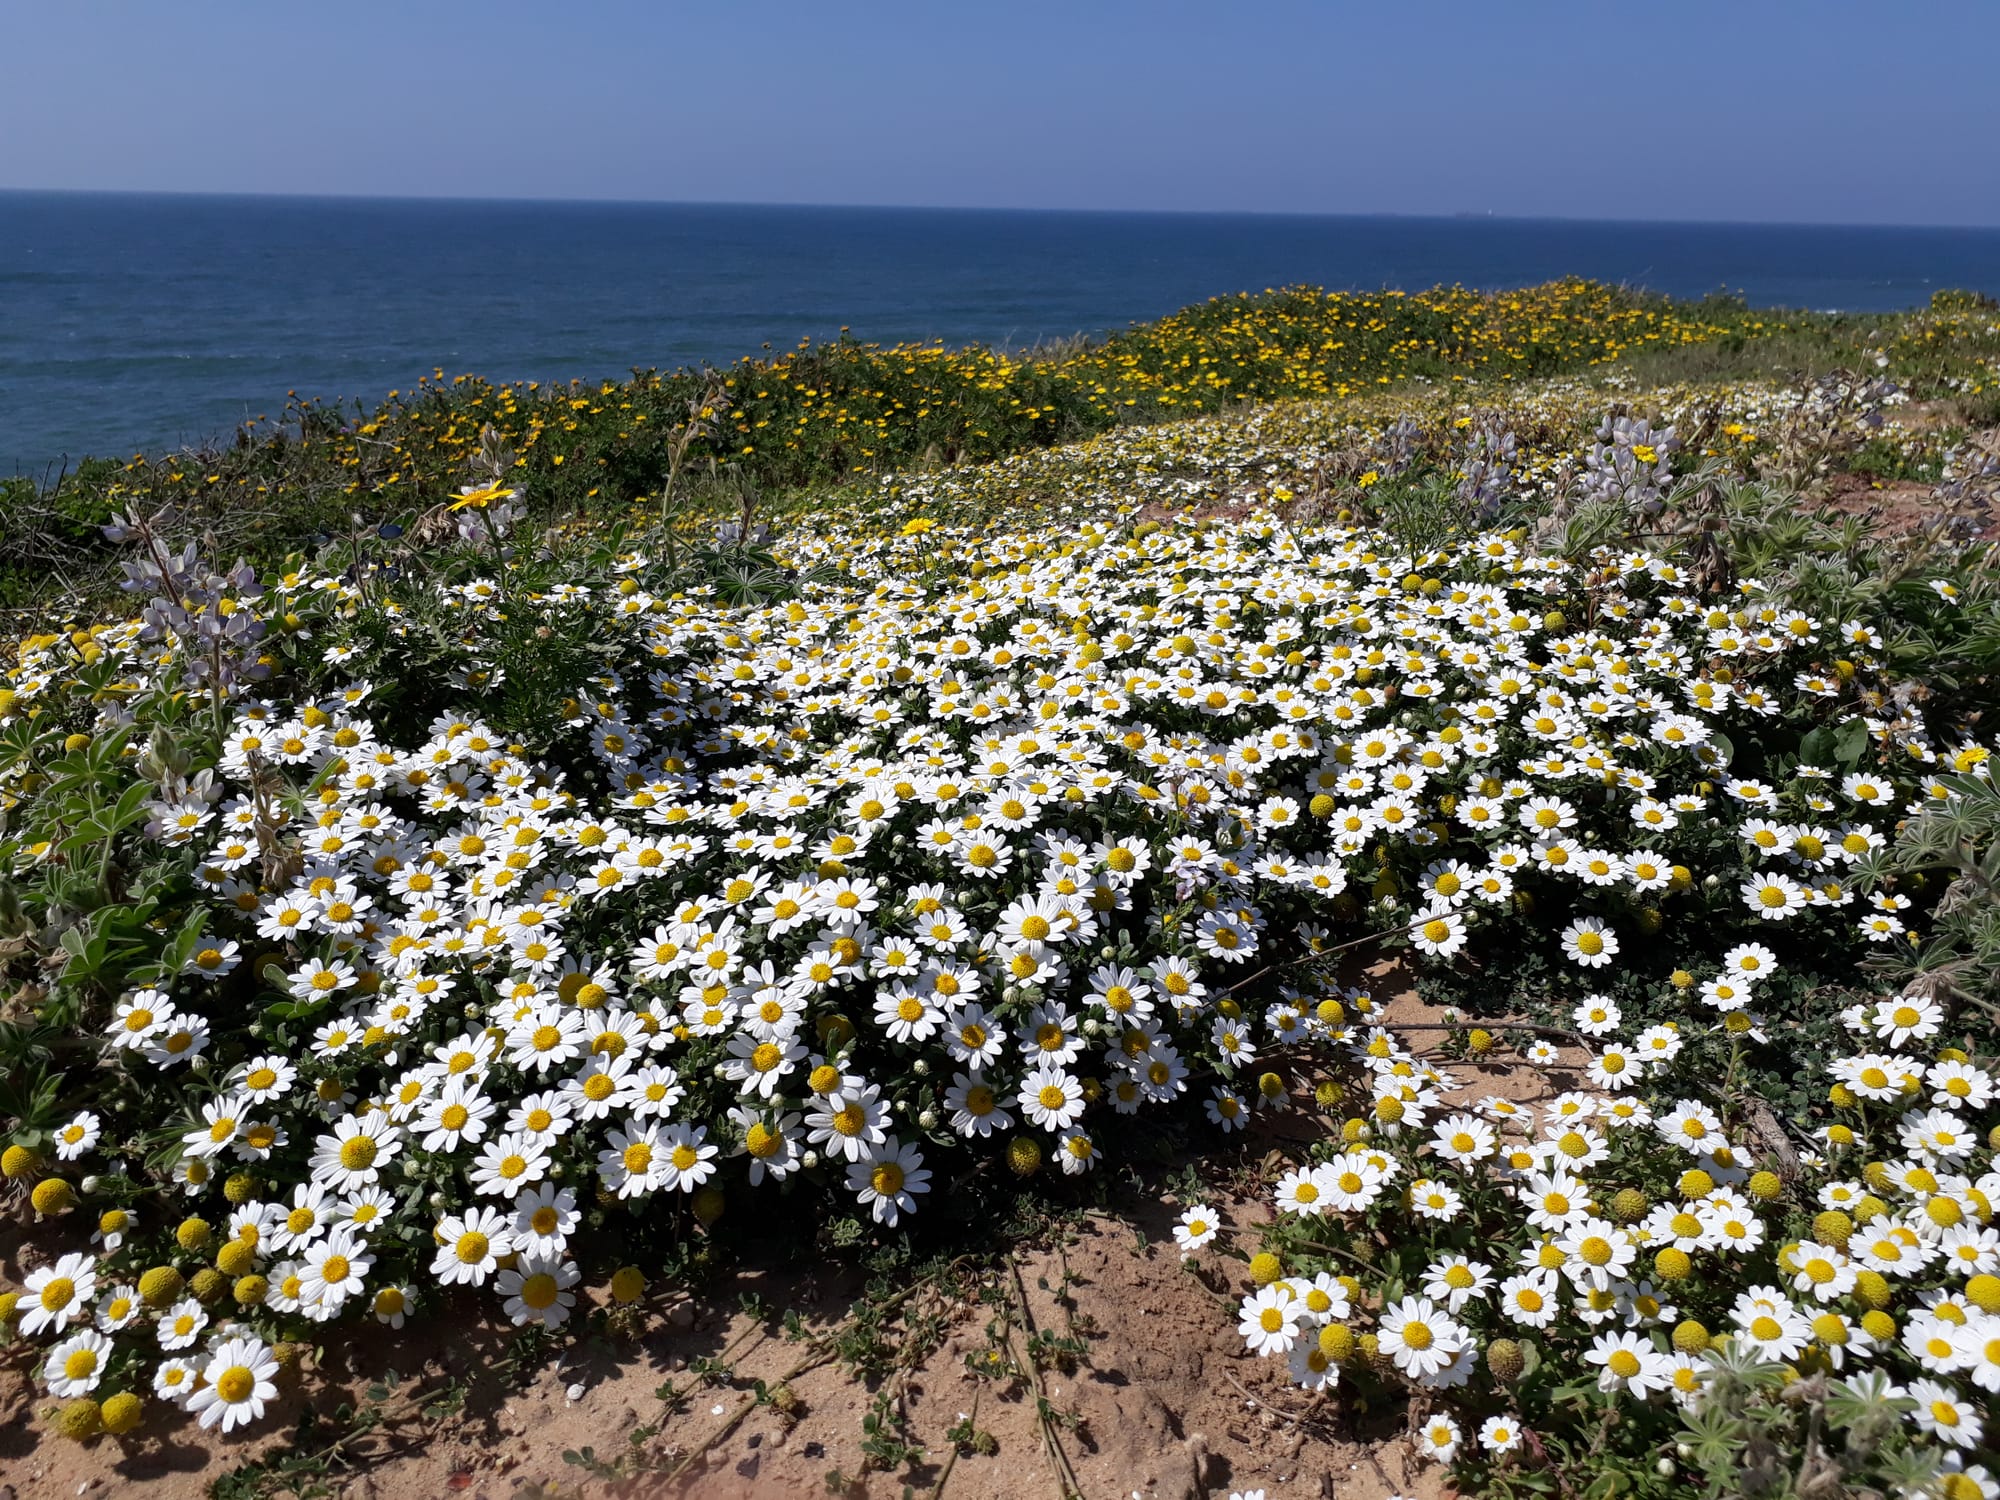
(142, 322)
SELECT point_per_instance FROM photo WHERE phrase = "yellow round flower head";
(161, 1287)
(122, 1413)
(80, 1419)
(1690, 1337)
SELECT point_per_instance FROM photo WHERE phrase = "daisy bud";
(122, 1413)
(82, 1419)
(921, 1067)
(1506, 1359)
(437, 1200)
(809, 1160)
(161, 1287)
(928, 1119)
(87, 1186)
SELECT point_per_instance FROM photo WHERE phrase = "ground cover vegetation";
(832, 410)
(492, 897)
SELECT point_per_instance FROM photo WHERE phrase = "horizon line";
(1435, 216)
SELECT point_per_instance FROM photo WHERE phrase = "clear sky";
(1799, 110)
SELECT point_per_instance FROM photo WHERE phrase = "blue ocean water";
(132, 321)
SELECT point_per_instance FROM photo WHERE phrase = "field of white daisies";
(486, 906)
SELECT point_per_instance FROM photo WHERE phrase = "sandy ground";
(1163, 1403)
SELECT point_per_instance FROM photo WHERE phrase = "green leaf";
(293, 1010)
(1850, 743)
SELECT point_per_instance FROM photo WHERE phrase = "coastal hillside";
(1335, 894)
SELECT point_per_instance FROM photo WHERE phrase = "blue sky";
(1798, 110)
